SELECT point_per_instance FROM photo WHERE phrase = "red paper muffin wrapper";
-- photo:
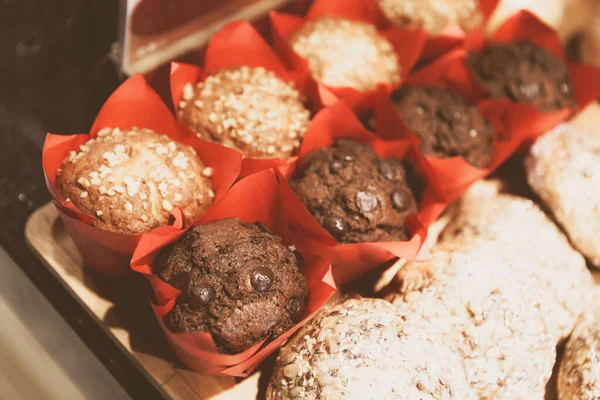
(455, 174)
(133, 104)
(239, 44)
(525, 120)
(351, 261)
(263, 201)
(407, 43)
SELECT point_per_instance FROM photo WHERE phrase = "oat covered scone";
(364, 349)
(563, 168)
(579, 374)
(474, 295)
(531, 238)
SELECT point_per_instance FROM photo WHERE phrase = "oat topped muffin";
(130, 180)
(248, 109)
(345, 53)
(434, 16)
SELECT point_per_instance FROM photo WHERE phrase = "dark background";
(54, 76)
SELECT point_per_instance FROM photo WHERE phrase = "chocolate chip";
(296, 307)
(200, 295)
(263, 227)
(262, 279)
(365, 201)
(565, 88)
(390, 169)
(335, 166)
(181, 282)
(336, 226)
(163, 259)
(526, 90)
(399, 201)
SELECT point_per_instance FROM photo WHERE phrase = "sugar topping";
(344, 53)
(249, 109)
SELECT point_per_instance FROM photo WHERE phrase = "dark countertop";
(54, 76)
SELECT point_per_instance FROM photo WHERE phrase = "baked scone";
(446, 124)
(542, 250)
(524, 73)
(238, 281)
(563, 168)
(364, 349)
(434, 16)
(248, 109)
(474, 295)
(130, 180)
(354, 194)
(346, 53)
(579, 373)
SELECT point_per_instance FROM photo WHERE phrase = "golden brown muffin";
(129, 181)
(345, 53)
(432, 15)
(248, 109)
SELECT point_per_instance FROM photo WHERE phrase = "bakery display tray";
(120, 307)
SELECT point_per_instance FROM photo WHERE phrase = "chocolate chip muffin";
(524, 73)
(345, 53)
(366, 349)
(446, 124)
(247, 109)
(238, 281)
(130, 180)
(434, 16)
(354, 194)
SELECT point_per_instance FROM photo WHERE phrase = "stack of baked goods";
(291, 168)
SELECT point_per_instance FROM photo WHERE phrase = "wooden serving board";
(122, 310)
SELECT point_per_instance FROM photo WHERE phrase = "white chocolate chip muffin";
(129, 181)
(364, 349)
(434, 16)
(529, 235)
(563, 168)
(579, 373)
(248, 109)
(474, 296)
(345, 53)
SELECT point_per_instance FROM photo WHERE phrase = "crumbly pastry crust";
(238, 281)
(524, 73)
(365, 349)
(434, 16)
(473, 294)
(248, 109)
(579, 373)
(354, 194)
(563, 168)
(129, 181)
(446, 124)
(346, 53)
(541, 249)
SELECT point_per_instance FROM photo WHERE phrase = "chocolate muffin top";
(434, 16)
(247, 109)
(130, 180)
(345, 53)
(446, 124)
(354, 194)
(238, 281)
(524, 73)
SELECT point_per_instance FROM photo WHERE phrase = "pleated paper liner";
(455, 174)
(526, 120)
(351, 261)
(408, 44)
(257, 197)
(239, 44)
(133, 104)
